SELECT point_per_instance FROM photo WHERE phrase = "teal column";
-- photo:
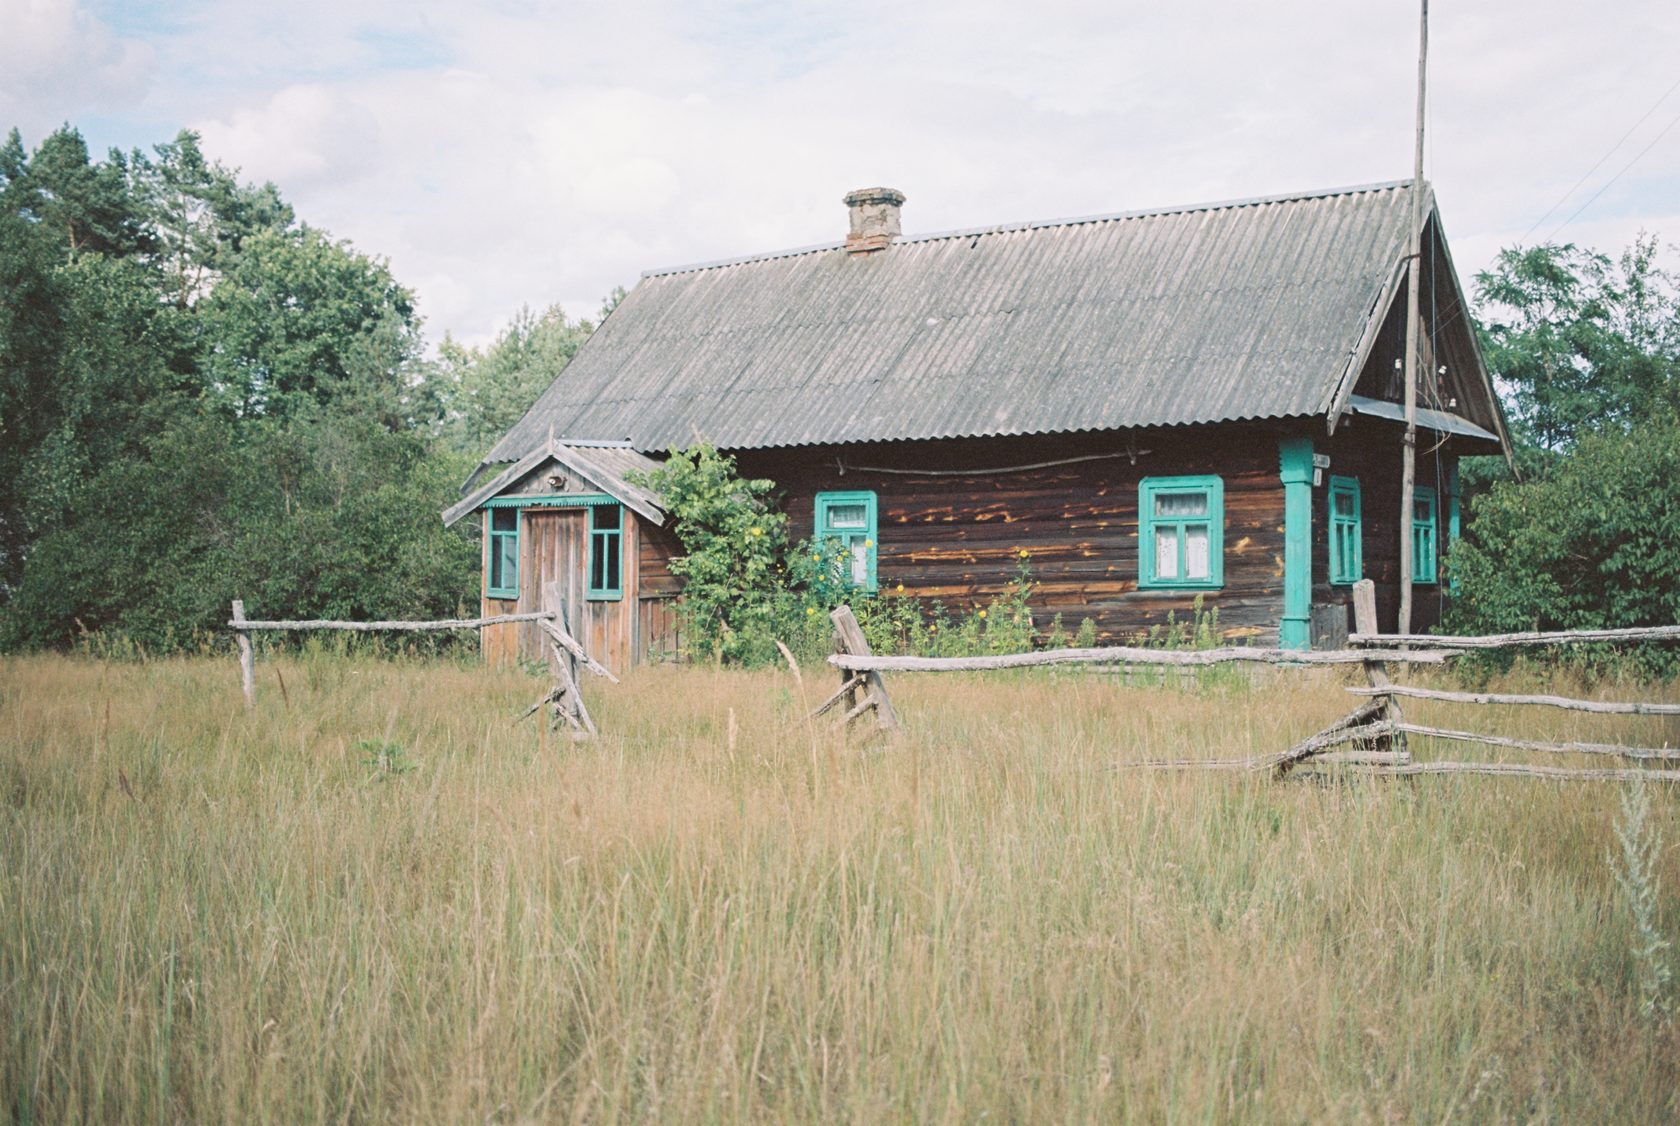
(1450, 471)
(1295, 459)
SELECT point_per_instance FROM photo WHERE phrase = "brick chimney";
(874, 215)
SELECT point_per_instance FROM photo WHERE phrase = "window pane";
(610, 549)
(597, 562)
(1196, 551)
(848, 516)
(860, 562)
(605, 516)
(1181, 504)
(1166, 553)
(504, 519)
(1422, 511)
(1343, 503)
(504, 561)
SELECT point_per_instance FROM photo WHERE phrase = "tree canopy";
(1586, 351)
(203, 398)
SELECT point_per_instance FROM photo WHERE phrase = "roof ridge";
(1043, 224)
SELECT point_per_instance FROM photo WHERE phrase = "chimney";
(874, 215)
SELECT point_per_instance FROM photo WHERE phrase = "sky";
(515, 154)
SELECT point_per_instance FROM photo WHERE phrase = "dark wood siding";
(957, 537)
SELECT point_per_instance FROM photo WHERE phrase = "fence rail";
(1506, 640)
(565, 696)
(1377, 730)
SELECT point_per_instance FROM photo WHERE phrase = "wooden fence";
(1374, 733)
(565, 697)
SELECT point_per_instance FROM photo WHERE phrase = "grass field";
(375, 899)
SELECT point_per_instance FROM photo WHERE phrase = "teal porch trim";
(552, 500)
(1295, 467)
(1454, 497)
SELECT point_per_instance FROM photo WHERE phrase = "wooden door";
(552, 573)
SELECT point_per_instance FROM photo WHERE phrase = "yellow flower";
(899, 588)
(868, 543)
(810, 610)
(758, 531)
(982, 613)
(816, 559)
(1025, 553)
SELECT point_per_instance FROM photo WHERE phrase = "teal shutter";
(1347, 564)
(1181, 533)
(606, 553)
(1424, 535)
(502, 581)
(850, 518)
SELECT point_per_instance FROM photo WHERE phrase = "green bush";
(1593, 544)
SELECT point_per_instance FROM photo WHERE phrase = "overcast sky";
(529, 153)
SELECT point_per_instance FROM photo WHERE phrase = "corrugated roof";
(1242, 310)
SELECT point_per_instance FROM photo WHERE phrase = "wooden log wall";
(957, 537)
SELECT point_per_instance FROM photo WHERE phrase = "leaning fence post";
(1376, 671)
(247, 659)
(848, 638)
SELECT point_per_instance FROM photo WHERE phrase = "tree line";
(204, 397)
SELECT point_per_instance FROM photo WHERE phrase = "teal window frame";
(1425, 536)
(606, 554)
(825, 529)
(1347, 535)
(502, 549)
(1149, 523)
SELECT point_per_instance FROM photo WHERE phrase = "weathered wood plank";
(1662, 754)
(851, 637)
(369, 627)
(568, 643)
(247, 658)
(1602, 707)
(1511, 769)
(1116, 654)
(1501, 640)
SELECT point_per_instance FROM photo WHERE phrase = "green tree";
(1578, 342)
(481, 392)
(733, 541)
(1593, 543)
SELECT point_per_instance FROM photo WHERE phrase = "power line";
(1616, 177)
(1600, 163)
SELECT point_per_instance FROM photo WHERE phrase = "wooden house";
(1154, 406)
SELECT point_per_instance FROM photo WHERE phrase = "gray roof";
(1251, 309)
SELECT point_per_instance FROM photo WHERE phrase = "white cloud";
(57, 60)
(505, 154)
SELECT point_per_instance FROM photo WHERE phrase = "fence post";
(247, 658)
(1376, 672)
(848, 638)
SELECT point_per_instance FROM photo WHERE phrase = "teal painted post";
(1450, 470)
(1295, 458)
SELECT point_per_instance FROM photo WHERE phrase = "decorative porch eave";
(577, 460)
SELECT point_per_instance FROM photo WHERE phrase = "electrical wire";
(1616, 177)
(1600, 163)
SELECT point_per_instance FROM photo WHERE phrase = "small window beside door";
(1181, 533)
(850, 519)
(502, 581)
(1347, 564)
(606, 553)
(1424, 535)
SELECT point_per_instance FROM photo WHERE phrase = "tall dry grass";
(374, 899)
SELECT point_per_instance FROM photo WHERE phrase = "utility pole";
(1408, 452)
